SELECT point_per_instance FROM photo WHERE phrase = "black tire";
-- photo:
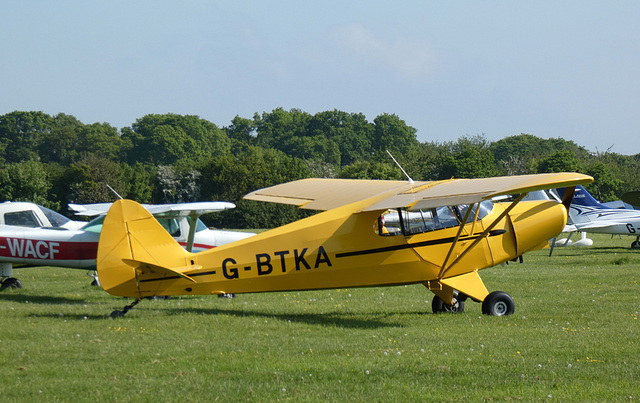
(635, 245)
(11, 282)
(438, 305)
(116, 314)
(498, 303)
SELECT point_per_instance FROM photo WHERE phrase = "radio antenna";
(399, 166)
(116, 193)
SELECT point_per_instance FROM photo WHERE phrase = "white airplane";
(32, 235)
(588, 215)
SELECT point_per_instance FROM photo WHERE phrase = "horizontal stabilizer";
(146, 268)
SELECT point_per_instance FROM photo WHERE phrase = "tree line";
(170, 158)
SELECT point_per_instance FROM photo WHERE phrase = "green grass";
(574, 337)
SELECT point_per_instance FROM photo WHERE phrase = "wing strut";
(484, 233)
(401, 222)
(455, 240)
(193, 220)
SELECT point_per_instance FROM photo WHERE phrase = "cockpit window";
(484, 209)
(410, 222)
(24, 218)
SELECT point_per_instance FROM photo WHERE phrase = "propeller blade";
(568, 197)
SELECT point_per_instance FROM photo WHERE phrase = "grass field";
(573, 337)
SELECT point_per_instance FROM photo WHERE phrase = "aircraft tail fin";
(133, 244)
(582, 198)
(581, 205)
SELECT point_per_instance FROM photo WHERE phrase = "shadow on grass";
(39, 299)
(595, 250)
(67, 316)
(342, 320)
(365, 320)
(614, 249)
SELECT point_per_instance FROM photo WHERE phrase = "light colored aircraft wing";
(90, 210)
(598, 224)
(187, 209)
(325, 194)
(171, 210)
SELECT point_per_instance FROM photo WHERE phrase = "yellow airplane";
(369, 233)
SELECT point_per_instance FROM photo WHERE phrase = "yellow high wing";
(340, 246)
(326, 194)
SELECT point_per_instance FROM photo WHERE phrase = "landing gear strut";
(6, 273)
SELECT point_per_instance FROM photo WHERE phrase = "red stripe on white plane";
(47, 250)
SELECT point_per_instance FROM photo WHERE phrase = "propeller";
(567, 198)
(632, 198)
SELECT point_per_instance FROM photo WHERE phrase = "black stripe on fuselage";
(415, 245)
(206, 273)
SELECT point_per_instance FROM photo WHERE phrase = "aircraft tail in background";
(585, 208)
(583, 198)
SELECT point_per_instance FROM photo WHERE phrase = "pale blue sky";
(565, 69)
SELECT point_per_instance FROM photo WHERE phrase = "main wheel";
(11, 282)
(635, 244)
(438, 305)
(498, 303)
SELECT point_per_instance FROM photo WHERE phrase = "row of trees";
(54, 160)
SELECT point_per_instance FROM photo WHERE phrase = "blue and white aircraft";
(589, 215)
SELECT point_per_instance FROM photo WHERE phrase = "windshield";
(200, 226)
(94, 225)
(56, 219)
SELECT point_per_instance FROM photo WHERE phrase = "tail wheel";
(438, 305)
(498, 303)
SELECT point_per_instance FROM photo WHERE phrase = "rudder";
(130, 234)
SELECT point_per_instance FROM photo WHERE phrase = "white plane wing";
(168, 210)
(598, 224)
